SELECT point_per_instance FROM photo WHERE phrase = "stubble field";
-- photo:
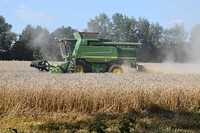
(162, 98)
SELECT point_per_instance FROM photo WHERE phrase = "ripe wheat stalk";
(25, 90)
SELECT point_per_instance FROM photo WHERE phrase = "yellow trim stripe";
(112, 57)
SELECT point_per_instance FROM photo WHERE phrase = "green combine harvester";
(87, 53)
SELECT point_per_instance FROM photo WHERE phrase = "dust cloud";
(193, 50)
(43, 43)
(175, 68)
(184, 59)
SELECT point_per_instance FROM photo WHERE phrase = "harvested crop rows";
(24, 89)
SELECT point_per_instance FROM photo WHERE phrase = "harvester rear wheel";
(82, 66)
(115, 69)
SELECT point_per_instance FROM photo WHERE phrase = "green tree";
(155, 34)
(64, 32)
(20, 51)
(143, 27)
(22, 48)
(173, 43)
(27, 34)
(124, 28)
(149, 35)
(101, 24)
(6, 39)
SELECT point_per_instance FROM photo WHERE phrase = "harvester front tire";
(115, 69)
(82, 66)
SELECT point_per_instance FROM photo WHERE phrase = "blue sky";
(53, 14)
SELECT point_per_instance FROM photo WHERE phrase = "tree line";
(159, 44)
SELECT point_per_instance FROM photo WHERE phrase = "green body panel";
(127, 52)
(56, 70)
(97, 53)
(59, 68)
(98, 67)
(76, 48)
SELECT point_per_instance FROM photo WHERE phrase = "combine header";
(88, 53)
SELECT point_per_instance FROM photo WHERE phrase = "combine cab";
(87, 53)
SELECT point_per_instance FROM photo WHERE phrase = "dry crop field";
(163, 98)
